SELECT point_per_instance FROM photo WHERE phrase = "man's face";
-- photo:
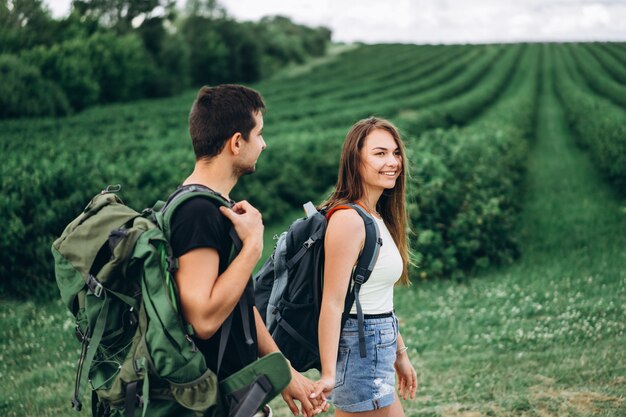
(252, 148)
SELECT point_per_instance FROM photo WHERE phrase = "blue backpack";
(288, 288)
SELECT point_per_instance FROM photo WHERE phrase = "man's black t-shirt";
(198, 223)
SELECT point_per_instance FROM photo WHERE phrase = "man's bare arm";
(206, 298)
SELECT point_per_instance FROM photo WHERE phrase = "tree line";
(119, 50)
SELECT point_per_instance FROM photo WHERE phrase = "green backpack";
(115, 270)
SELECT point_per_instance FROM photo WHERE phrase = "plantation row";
(392, 74)
(465, 183)
(467, 113)
(617, 50)
(440, 84)
(610, 64)
(592, 99)
(359, 61)
(596, 77)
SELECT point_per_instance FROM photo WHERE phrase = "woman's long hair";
(349, 188)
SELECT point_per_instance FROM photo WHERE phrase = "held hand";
(247, 221)
(407, 377)
(323, 387)
(300, 388)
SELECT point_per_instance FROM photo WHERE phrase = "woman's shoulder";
(346, 221)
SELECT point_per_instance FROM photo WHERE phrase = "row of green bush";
(465, 106)
(598, 123)
(464, 195)
(617, 50)
(429, 90)
(597, 78)
(355, 61)
(608, 62)
(390, 72)
(427, 75)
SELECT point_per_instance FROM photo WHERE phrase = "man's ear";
(234, 143)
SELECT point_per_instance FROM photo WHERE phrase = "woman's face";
(381, 161)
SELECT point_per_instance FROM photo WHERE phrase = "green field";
(517, 156)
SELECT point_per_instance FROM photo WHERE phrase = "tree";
(24, 24)
(209, 53)
(205, 8)
(24, 92)
(69, 65)
(121, 15)
(170, 54)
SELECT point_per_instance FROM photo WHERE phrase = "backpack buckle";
(194, 348)
(98, 291)
(309, 242)
(94, 285)
(359, 279)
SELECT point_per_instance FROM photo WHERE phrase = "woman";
(371, 173)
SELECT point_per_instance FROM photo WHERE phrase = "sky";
(440, 21)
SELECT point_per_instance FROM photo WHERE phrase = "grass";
(543, 337)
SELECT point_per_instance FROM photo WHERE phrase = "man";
(225, 125)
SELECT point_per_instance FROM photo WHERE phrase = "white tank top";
(376, 294)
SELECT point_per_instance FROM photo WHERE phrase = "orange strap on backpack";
(342, 207)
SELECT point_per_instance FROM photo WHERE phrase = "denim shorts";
(364, 384)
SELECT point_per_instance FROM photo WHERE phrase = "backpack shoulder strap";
(177, 198)
(183, 194)
(371, 247)
(365, 265)
(332, 211)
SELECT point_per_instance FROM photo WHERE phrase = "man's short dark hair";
(220, 112)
